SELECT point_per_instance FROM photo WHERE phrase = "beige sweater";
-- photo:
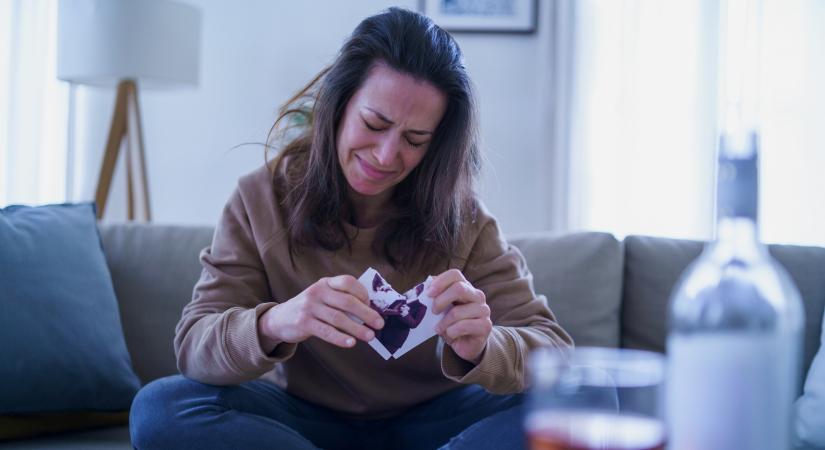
(247, 270)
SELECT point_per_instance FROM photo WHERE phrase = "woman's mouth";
(373, 173)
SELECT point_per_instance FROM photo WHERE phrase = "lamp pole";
(70, 153)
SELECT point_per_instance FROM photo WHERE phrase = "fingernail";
(350, 342)
(379, 323)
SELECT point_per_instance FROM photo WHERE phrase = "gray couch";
(604, 292)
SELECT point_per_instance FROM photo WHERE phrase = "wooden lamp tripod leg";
(130, 192)
(141, 158)
(116, 132)
(126, 105)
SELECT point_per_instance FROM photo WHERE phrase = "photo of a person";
(400, 316)
(379, 285)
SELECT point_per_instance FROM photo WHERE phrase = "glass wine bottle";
(735, 326)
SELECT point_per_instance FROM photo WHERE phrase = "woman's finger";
(443, 281)
(351, 305)
(471, 327)
(463, 312)
(350, 285)
(344, 323)
(457, 293)
(329, 334)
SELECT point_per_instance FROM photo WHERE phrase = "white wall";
(255, 54)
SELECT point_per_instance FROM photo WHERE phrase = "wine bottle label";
(731, 391)
(737, 183)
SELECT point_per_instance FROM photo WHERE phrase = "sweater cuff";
(492, 372)
(244, 344)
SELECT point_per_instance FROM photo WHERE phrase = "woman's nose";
(387, 151)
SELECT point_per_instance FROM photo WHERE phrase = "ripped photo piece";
(408, 317)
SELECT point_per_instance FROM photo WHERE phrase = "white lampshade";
(154, 42)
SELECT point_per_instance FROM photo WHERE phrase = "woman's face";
(386, 129)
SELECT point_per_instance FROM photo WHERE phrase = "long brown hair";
(428, 206)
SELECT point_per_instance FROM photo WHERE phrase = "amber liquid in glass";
(593, 430)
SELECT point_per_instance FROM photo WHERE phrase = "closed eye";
(367, 124)
(416, 144)
(374, 128)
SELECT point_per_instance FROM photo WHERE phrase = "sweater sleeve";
(522, 321)
(216, 339)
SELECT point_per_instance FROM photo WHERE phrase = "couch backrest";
(581, 276)
(154, 268)
(653, 266)
(604, 292)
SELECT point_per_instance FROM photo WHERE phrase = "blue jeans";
(176, 412)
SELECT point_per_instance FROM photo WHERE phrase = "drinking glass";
(596, 399)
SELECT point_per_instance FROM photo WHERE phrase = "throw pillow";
(60, 332)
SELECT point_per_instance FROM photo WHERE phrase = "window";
(644, 130)
(33, 113)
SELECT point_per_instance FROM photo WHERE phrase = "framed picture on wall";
(483, 16)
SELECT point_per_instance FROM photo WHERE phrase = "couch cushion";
(104, 439)
(810, 408)
(806, 266)
(60, 335)
(16, 427)
(653, 266)
(154, 268)
(581, 275)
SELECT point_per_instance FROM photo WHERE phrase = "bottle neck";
(737, 178)
(737, 196)
(738, 237)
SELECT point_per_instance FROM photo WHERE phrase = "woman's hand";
(467, 325)
(327, 309)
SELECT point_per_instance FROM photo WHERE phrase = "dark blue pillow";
(61, 341)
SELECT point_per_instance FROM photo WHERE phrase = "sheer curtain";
(644, 119)
(642, 145)
(792, 111)
(33, 105)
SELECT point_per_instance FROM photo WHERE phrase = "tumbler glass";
(596, 399)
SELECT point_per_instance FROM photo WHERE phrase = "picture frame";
(487, 16)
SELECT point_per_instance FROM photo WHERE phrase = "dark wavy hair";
(429, 205)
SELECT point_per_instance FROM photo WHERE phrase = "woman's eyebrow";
(385, 119)
(380, 116)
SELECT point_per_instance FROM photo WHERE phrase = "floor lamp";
(129, 44)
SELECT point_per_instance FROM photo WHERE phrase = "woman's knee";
(156, 407)
(500, 430)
